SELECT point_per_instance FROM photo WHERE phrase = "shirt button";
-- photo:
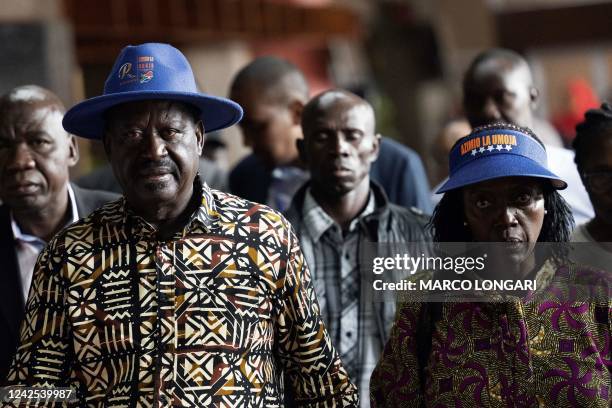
(349, 334)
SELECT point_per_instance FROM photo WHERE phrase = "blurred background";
(407, 57)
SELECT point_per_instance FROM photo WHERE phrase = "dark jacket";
(399, 170)
(388, 224)
(12, 307)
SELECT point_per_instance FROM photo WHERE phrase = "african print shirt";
(215, 316)
(549, 349)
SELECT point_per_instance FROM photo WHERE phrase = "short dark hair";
(512, 58)
(30, 94)
(313, 108)
(596, 123)
(278, 79)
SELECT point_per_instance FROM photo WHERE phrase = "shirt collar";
(317, 221)
(32, 239)
(205, 215)
(73, 205)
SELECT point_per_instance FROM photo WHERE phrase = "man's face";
(269, 128)
(494, 93)
(339, 146)
(596, 175)
(35, 154)
(154, 149)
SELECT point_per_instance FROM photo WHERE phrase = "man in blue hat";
(176, 295)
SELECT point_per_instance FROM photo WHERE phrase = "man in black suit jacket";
(37, 198)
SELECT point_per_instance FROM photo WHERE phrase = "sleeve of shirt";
(312, 366)
(395, 381)
(44, 355)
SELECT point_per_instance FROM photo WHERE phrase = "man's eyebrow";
(250, 122)
(37, 132)
(479, 191)
(176, 120)
(123, 122)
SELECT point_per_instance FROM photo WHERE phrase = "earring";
(545, 212)
(465, 223)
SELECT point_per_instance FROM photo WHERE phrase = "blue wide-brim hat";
(149, 71)
(494, 152)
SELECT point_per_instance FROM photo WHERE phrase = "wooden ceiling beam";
(521, 30)
(100, 26)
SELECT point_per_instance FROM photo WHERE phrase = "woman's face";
(509, 209)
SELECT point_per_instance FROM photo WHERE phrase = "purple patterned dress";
(549, 349)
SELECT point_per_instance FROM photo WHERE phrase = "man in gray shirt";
(335, 214)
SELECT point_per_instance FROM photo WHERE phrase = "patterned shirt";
(549, 349)
(216, 315)
(336, 266)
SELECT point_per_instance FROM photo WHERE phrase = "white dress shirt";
(28, 247)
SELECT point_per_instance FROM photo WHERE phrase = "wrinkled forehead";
(342, 113)
(28, 114)
(499, 71)
(159, 108)
(504, 184)
(28, 95)
(30, 98)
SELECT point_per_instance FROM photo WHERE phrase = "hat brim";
(86, 119)
(498, 166)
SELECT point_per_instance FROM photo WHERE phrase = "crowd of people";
(161, 280)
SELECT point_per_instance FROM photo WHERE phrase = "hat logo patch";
(145, 68)
(146, 76)
(124, 71)
(487, 144)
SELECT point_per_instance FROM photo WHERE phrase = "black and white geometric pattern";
(212, 317)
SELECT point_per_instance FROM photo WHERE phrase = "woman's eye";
(482, 204)
(523, 198)
(321, 136)
(353, 135)
(39, 142)
(133, 133)
(171, 132)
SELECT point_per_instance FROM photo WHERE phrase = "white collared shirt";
(28, 247)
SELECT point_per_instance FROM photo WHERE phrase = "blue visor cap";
(150, 71)
(496, 153)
